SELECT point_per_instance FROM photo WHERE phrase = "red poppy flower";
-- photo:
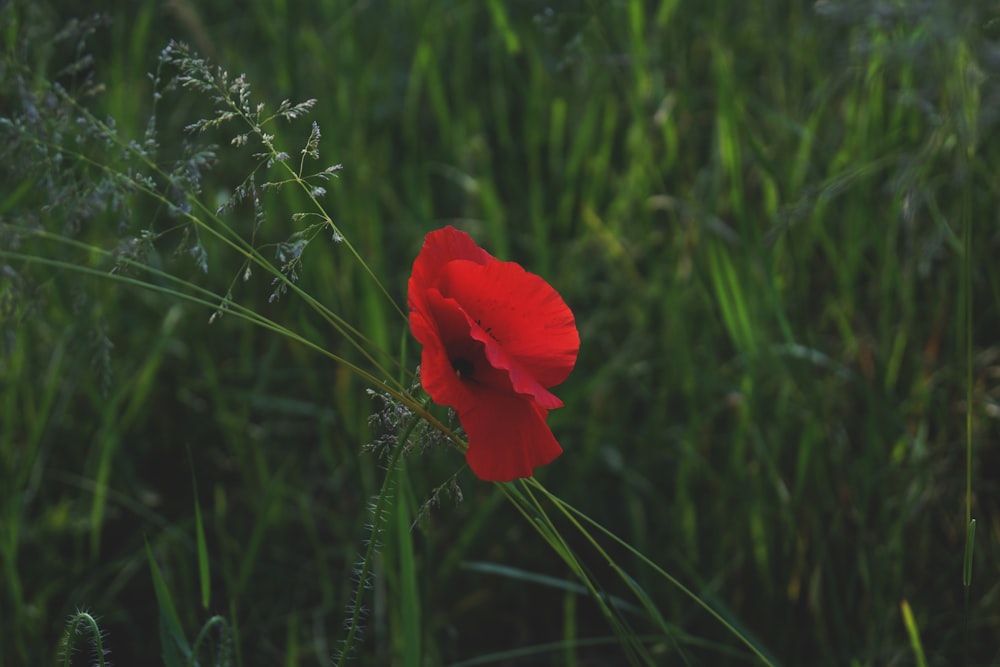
(495, 338)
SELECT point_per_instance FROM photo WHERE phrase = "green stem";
(548, 531)
(377, 523)
(71, 632)
(571, 513)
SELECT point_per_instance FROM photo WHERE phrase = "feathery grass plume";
(234, 103)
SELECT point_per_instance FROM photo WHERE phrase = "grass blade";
(176, 650)
(914, 633)
(204, 572)
(970, 541)
(409, 599)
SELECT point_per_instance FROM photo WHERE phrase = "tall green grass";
(776, 227)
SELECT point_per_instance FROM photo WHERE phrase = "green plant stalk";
(71, 631)
(970, 526)
(551, 537)
(547, 530)
(209, 299)
(377, 519)
(409, 611)
(204, 571)
(572, 513)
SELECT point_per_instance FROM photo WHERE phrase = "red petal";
(440, 247)
(508, 437)
(521, 313)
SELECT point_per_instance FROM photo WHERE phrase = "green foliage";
(774, 222)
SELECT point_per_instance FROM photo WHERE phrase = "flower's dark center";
(463, 368)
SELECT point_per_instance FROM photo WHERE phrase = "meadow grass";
(775, 223)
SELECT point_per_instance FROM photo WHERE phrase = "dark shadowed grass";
(777, 229)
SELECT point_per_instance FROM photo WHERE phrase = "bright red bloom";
(495, 338)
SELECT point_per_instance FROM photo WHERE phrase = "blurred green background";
(771, 220)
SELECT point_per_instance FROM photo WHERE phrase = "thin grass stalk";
(967, 288)
(571, 512)
(396, 390)
(239, 311)
(544, 526)
(970, 523)
(378, 514)
(612, 613)
(629, 581)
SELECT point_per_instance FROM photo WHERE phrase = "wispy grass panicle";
(234, 105)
